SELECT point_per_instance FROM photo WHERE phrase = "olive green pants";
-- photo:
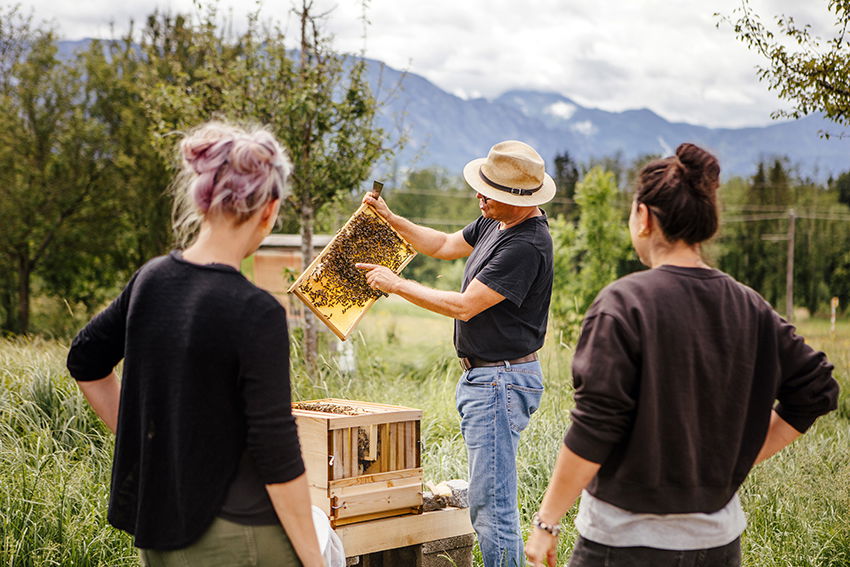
(227, 544)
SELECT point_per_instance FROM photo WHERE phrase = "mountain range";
(446, 131)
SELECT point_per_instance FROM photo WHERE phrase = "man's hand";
(423, 239)
(379, 205)
(380, 277)
(541, 547)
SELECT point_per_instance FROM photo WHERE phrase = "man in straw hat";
(500, 323)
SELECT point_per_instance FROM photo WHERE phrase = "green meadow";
(55, 455)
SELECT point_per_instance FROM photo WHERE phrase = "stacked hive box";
(362, 458)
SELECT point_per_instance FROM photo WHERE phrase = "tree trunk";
(7, 296)
(310, 344)
(24, 271)
(308, 212)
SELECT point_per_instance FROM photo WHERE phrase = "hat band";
(511, 190)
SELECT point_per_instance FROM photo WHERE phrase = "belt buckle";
(465, 364)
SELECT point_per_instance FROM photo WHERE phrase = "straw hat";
(512, 173)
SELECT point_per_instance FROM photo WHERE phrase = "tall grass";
(55, 459)
(798, 502)
(55, 456)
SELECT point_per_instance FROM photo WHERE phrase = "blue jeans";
(588, 553)
(495, 405)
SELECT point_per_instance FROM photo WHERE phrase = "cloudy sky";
(666, 55)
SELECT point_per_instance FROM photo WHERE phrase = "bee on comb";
(365, 239)
(332, 287)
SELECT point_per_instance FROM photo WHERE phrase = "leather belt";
(468, 363)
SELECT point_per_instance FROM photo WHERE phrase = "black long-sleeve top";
(676, 372)
(205, 377)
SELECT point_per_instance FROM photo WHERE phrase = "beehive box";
(333, 288)
(363, 459)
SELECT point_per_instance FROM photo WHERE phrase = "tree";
(614, 164)
(330, 132)
(566, 177)
(841, 280)
(138, 172)
(134, 216)
(51, 162)
(633, 171)
(430, 196)
(752, 245)
(810, 72)
(758, 210)
(813, 74)
(587, 255)
(318, 104)
(779, 181)
(842, 186)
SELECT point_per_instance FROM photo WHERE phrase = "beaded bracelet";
(554, 530)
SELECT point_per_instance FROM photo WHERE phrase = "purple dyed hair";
(227, 169)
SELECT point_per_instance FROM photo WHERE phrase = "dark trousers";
(591, 554)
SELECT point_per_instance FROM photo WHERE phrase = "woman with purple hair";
(207, 467)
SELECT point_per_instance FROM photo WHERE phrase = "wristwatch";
(554, 530)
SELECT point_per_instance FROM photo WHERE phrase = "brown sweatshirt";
(676, 372)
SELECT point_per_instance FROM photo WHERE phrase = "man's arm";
(104, 396)
(425, 240)
(464, 306)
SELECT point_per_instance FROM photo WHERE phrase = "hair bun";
(254, 153)
(208, 147)
(702, 169)
(681, 191)
(231, 168)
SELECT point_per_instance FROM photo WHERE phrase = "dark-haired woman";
(207, 468)
(684, 379)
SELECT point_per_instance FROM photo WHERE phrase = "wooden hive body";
(364, 466)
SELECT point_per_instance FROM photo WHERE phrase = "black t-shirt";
(517, 263)
(206, 378)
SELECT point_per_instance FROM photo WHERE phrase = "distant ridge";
(446, 131)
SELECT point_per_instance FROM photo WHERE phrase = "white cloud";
(670, 57)
(466, 95)
(521, 104)
(585, 127)
(561, 109)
